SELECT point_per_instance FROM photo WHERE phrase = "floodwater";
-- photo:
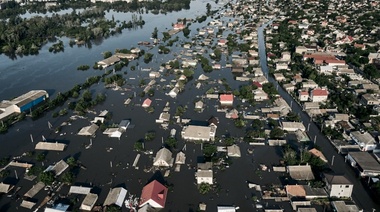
(109, 160)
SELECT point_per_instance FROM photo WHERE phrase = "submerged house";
(153, 194)
(163, 158)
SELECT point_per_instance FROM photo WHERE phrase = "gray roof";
(58, 168)
(205, 166)
(337, 179)
(35, 189)
(4, 188)
(180, 158)
(315, 192)
(164, 154)
(50, 146)
(79, 190)
(89, 130)
(116, 196)
(90, 200)
(365, 161)
(301, 172)
(341, 206)
(27, 204)
(233, 151)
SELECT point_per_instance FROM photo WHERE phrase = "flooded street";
(108, 163)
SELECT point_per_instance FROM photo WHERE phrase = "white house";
(365, 140)
(303, 96)
(318, 95)
(199, 133)
(338, 186)
(292, 126)
(204, 173)
(174, 92)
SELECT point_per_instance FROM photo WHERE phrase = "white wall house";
(338, 186)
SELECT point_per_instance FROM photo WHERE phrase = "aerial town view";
(190, 105)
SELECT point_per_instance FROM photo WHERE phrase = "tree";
(209, 150)
(188, 72)
(107, 54)
(47, 177)
(204, 188)
(71, 161)
(291, 116)
(40, 157)
(155, 33)
(171, 142)
(276, 133)
(290, 156)
(149, 136)
(68, 178)
(139, 146)
(208, 8)
(257, 124)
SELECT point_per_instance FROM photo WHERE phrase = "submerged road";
(336, 161)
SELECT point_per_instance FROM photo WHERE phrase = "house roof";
(35, 189)
(4, 188)
(180, 158)
(301, 172)
(337, 179)
(116, 196)
(89, 200)
(365, 161)
(319, 92)
(233, 151)
(89, 130)
(163, 154)
(259, 85)
(58, 168)
(147, 102)
(154, 191)
(79, 190)
(226, 97)
(50, 146)
(295, 190)
(318, 154)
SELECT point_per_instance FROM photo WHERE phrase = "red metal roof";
(154, 191)
(320, 92)
(226, 97)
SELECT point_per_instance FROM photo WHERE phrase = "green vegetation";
(204, 188)
(57, 47)
(276, 133)
(139, 145)
(171, 142)
(180, 110)
(148, 57)
(83, 67)
(150, 136)
(209, 150)
(46, 177)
